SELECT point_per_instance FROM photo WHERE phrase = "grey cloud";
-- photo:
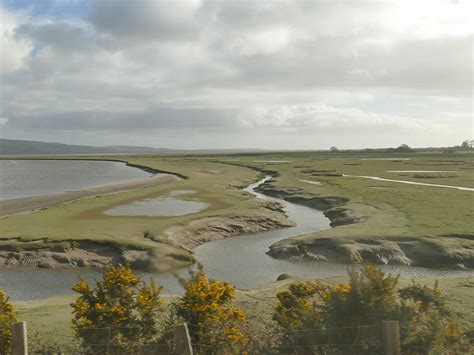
(150, 65)
(151, 120)
(144, 19)
(59, 35)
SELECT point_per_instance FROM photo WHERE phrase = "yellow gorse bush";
(206, 307)
(316, 313)
(7, 317)
(295, 304)
(120, 309)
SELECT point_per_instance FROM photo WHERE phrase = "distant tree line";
(405, 148)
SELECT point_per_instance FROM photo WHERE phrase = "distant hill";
(20, 147)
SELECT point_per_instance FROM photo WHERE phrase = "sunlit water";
(23, 178)
(240, 260)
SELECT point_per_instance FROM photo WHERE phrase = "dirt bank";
(200, 231)
(331, 206)
(424, 251)
(43, 253)
(26, 204)
(159, 253)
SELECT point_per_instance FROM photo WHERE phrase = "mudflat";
(25, 204)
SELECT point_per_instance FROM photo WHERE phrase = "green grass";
(397, 210)
(441, 217)
(85, 219)
(391, 209)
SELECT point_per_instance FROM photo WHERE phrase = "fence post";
(182, 340)
(19, 339)
(391, 337)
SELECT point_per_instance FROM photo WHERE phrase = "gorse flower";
(313, 312)
(120, 308)
(7, 318)
(206, 307)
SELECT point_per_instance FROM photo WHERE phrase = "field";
(379, 221)
(147, 240)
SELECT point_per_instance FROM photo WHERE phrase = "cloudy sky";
(284, 74)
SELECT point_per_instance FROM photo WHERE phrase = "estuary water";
(240, 260)
(25, 178)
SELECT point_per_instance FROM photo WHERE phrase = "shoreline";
(388, 250)
(178, 240)
(348, 249)
(29, 204)
(351, 249)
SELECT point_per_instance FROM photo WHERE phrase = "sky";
(201, 74)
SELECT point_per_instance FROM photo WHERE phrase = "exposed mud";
(423, 251)
(197, 232)
(27, 204)
(42, 253)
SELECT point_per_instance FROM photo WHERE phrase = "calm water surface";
(161, 206)
(241, 261)
(23, 178)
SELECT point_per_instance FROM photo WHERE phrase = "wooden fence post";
(391, 337)
(182, 340)
(19, 339)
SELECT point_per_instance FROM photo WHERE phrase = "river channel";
(241, 260)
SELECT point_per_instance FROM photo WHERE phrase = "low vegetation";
(76, 230)
(349, 315)
(7, 318)
(122, 314)
(206, 307)
(377, 221)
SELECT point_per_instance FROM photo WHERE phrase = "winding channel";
(461, 188)
(240, 260)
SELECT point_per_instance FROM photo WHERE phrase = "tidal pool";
(166, 206)
(241, 261)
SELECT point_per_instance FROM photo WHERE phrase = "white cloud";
(264, 42)
(14, 51)
(326, 117)
(308, 66)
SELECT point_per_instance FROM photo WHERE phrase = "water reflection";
(241, 261)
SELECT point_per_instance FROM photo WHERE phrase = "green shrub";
(206, 307)
(120, 313)
(348, 316)
(7, 318)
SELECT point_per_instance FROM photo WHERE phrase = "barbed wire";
(330, 329)
(303, 330)
(322, 345)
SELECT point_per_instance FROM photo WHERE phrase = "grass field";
(432, 226)
(83, 219)
(438, 221)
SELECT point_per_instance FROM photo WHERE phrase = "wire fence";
(363, 339)
(122, 340)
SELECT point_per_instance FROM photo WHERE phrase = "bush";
(7, 318)
(212, 321)
(349, 315)
(426, 322)
(120, 313)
